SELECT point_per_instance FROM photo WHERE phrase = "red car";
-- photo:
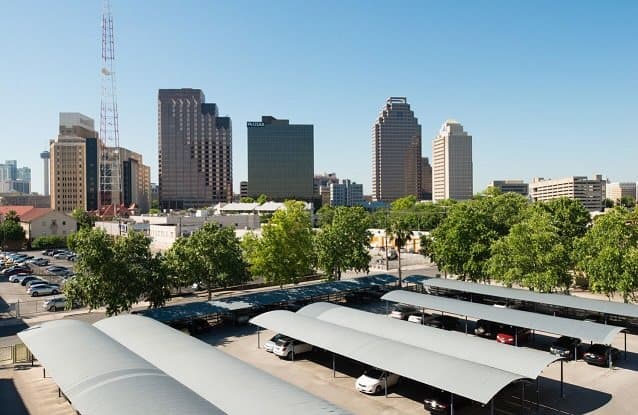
(512, 335)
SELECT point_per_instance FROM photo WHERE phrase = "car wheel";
(35, 294)
(377, 390)
(52, 308)
(54, 292)
(289, 356)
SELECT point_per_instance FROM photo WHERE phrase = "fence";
(17, 353)
(28, 308)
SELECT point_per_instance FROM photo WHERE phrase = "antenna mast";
(110, 166)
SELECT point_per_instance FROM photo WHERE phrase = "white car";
(403, 311)
(374, 381)
(418, 318)
(19, 277)
(270, 344)
(38, 290)
(285, 347)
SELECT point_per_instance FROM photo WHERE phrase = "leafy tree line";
(118, 272)
(541, 245)
(11, 232)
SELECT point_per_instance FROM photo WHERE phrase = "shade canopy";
(461, 377)
(584, 330)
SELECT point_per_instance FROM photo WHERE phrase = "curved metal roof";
(102, 377)
(461, 377)
(211, 373)
(584, 330)
(559, 300)
(526, 362)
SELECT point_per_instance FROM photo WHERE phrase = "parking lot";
(587, 389)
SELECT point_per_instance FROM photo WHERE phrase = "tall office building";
(46, 157)
(426, 179)
(280, 159)
(14, 179)
(590, 192)
(195, 151)
(396, 152)
(74, 164)
(452, 163)
(136, 180)
(346, 193)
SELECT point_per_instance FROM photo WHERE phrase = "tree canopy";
(608, 254)
(284, 253)
(11, 232)
(211, 257)
(343, 243)
(115, 273)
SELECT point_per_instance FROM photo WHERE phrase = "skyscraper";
(74, 164)
(396, 152)
(426, 179)
(136, 180)
(280, 159)
(195, 151)
(45, 156)
(452, 163)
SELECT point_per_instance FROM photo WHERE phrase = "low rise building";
(616, 191)
(511, 186)
(346, 193)
(38, 222)
(22, 199)
(590, 192)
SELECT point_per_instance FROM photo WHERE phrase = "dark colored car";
(598, 354)
(16, 270)
(564, 347)
(487, 329)
(513, 335)
(192, 327)
(27, 279)
(440, 402)
(442, 322)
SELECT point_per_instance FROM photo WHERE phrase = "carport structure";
(264, 300)
(475, 381)
(559, 301)
(584, 330)
(134, 365)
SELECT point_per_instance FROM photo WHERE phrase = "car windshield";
(373, 373)
(597, 349)
(565, 342)
(282, 341)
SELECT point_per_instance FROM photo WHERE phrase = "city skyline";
(532, 77)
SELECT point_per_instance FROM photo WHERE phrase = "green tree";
(608, 203)
(461, 244)
(49, 241)
(261, 199)
(247, 199)
(212, 257)
(284, 252)
(608, 254)
(84, 219)
(325, 215)
(11, 232)
(400, 235)
(533, 255)
(342, 243)
(404, 203)
(628, 202)
(155, 204)
(114, 273)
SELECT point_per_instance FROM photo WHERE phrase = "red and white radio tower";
(110, 166)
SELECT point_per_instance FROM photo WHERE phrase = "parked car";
(444, 322)
(403, 311)
(16, 269)
(40, 262)
(285, 347)
(62, 255)
(373, 381)
(36, 281)
(18, 277)
(564, 347)
(191, 327)
(440, 402)
(419, 318)
(54, 304)
(270, 344)
(598, 354)
(513, 335)
(30, 277)
(38, 290)
(487, 329)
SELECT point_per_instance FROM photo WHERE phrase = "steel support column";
(334, 368)
(562, 384)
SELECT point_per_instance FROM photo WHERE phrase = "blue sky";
(546, 88)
